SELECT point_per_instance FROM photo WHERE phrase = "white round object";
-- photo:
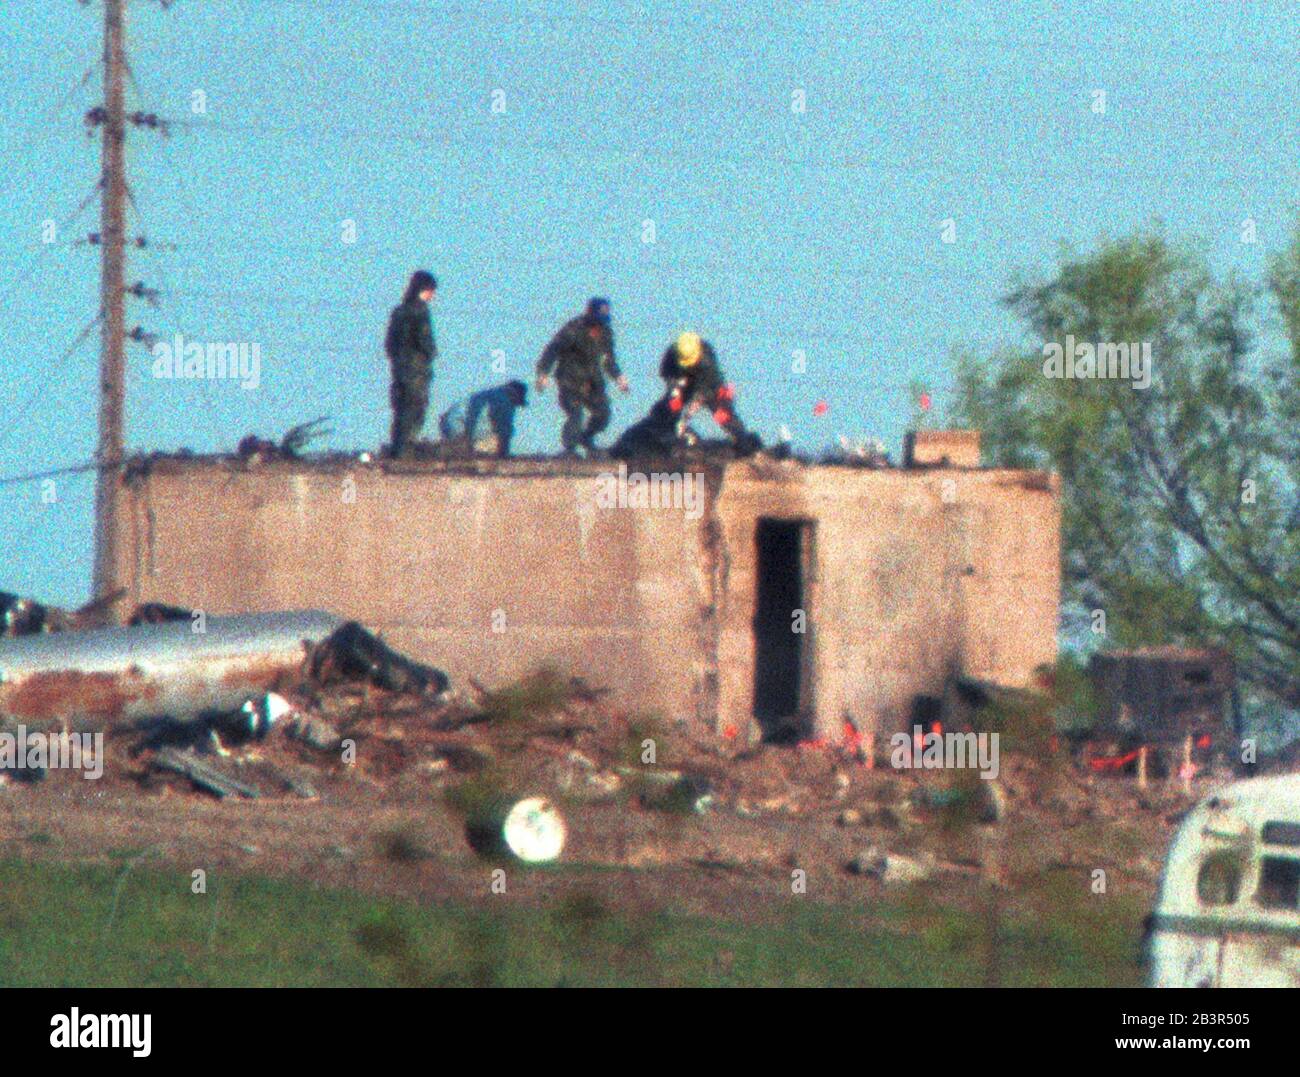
(534, 831)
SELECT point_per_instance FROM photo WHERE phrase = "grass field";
(125, 925)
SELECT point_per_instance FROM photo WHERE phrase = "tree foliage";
(1181, 501)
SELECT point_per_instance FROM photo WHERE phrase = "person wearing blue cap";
(460, 421)
(581, 355)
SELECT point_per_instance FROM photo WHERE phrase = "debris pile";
(353, 653)
(21, 616)
(289, 447)
(309, 707)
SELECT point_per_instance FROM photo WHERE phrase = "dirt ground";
(706, 828)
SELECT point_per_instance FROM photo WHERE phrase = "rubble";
(352, 652)
(203, 775)
(21, 616)
(891, 868)
(156, 671)
(289, 447)
(704, 801)
(862, 452)
(178, 669)
(314, 732)
(672, 791)
(985, 801)
(155, 613)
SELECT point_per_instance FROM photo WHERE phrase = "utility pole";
(112, 363)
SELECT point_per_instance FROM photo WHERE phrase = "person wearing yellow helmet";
(694, 377)
(690, 347)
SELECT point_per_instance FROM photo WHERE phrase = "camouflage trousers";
(577, 397)
(409, 395)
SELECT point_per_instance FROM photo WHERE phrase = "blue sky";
(775, 230)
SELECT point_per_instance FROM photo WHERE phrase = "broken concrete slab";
(202, 775)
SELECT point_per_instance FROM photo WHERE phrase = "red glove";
(727, 392)
(722, 416)
(675, 404)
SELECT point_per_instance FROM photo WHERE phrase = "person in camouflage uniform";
(411, 350)
(581, 355)
(694, 377)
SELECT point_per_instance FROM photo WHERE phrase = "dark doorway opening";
(781, 629)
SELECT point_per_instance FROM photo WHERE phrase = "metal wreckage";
(181, 685)
(175, 676)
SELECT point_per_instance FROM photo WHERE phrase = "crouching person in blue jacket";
(460, 422)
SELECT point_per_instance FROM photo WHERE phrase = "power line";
(1119, 172)
(49, 473)
(20, 415)
(639, 258)
(534, 319)
(51, 114)
(1046, 47)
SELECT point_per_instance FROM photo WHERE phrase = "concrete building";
(753, 595)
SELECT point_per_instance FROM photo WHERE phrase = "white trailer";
(1228, 914)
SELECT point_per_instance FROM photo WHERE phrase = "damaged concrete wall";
(917, 574)
(914, 573)
(483, 577)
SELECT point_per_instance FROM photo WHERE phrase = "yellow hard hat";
(689, 349)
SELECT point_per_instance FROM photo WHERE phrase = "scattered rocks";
(464, 759)
(984, 802)
(300, 787)
(887, 817)
(684, 793)
(891, 868)
(875, 813)
(314, 732)
(605, 782)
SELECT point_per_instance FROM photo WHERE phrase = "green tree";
(1181, 501)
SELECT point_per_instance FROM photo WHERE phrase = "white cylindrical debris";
(530, 830)
(534, 831)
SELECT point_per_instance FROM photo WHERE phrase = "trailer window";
(1279, 883)
(1282, 833)
(1219, 880)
